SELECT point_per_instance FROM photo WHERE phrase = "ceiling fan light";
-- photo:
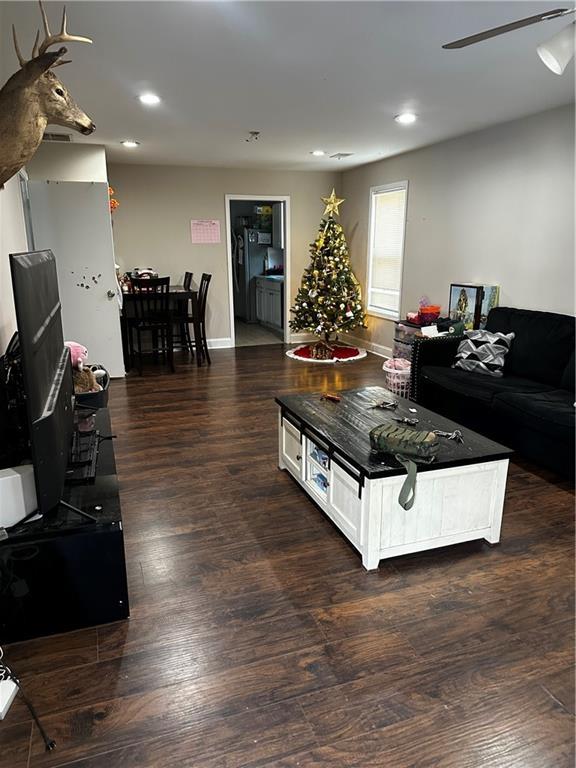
(557, 52)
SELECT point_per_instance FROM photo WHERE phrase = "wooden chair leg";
(130, 361)
(155, 347)
(139, 342)
(198, 342)
(170, 346)
(181, 334)
(188, 339)
(205, 345)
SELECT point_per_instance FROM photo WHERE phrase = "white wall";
(12, 230)
(12, 240)
(152, 224)
(495, 207)
(68, 162)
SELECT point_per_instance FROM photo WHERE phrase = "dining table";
(177, 294)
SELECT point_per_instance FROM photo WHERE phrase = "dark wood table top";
(345, 426)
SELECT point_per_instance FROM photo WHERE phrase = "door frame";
(287, 255)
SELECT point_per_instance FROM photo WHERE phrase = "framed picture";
(471, 304)
(491, 294)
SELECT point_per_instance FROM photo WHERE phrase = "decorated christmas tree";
(329, 300)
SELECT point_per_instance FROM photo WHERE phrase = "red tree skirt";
(341, 353)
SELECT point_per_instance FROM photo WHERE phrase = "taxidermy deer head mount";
(34, 97)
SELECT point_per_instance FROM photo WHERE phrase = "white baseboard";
(223, 343)
(377, 349)
(8, 691)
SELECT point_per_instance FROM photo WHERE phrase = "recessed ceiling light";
(150, 99)
(406, 118)
(130, 143)
(318, 153)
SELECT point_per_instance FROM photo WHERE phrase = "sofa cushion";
(483, 352)
(542, 346)
(550, 413)
(477, 385)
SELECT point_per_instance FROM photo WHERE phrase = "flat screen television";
(47, 371)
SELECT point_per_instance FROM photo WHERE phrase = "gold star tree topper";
(332, 204)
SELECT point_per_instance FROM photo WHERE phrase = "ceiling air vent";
(61, 137)
(341, 155)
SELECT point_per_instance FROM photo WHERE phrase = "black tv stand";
(12, 529)
(67, 569)
(83, 456)
(80, 512)
(85, 407)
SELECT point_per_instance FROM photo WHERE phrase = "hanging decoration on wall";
(34, 97)
(114, 204)
(329, 300)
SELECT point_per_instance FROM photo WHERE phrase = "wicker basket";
(397, 381)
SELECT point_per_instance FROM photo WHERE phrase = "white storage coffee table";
(325, 446)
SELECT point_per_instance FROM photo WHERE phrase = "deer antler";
(21, 58)
(61, 37)
(49, 39)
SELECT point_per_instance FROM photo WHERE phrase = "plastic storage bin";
(96, 400)
(402, 349)
(406, 333)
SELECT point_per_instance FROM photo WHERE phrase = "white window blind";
(386, 248)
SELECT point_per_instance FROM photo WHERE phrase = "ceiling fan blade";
(487, 34)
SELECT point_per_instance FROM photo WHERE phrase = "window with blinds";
(386, 248)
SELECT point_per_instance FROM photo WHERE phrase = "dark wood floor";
(256, 637)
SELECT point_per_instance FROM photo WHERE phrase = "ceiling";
(307, 75)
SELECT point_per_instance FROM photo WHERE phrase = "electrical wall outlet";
(8, 691)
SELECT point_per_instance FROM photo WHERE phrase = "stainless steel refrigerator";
(249, 252)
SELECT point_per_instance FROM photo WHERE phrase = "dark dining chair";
(202, 342)
(151, 313)
(198, 321)
(182, 314)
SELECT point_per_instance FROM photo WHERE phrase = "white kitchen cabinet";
(269, 301)
(260, 299)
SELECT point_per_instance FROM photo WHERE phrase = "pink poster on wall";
(205, 231)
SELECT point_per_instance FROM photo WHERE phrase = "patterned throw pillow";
(483, 352)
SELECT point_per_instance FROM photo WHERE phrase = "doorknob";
(111, 294)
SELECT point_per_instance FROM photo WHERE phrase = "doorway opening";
(258, 245)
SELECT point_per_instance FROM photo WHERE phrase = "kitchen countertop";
(276, 278)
